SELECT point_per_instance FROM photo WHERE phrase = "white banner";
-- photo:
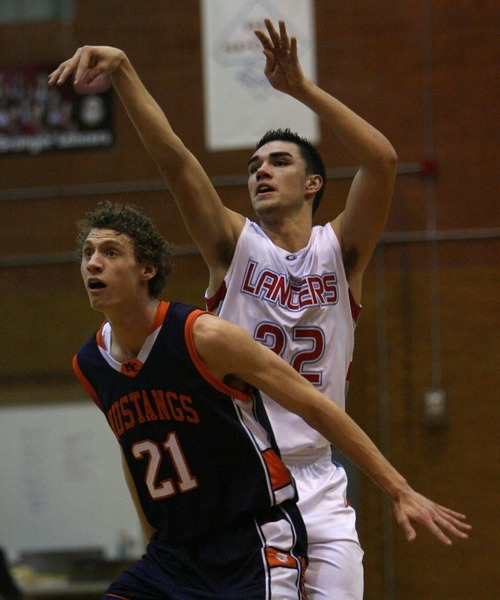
(240, 104)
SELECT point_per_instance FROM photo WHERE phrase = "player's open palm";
(282, 68)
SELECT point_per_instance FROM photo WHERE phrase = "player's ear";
(313, 184)
(149, 270)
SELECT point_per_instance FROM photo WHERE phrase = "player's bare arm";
(147, 529)
(232, 355)
(361, 223)
(214, 228)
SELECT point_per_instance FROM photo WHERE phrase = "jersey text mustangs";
(150, 405)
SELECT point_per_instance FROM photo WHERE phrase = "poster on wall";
(62, 481)
(239, 103)
(35, 117)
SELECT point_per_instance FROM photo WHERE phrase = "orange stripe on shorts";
(278, 558)
(280, 475)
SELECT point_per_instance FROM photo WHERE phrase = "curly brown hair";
(149, 246)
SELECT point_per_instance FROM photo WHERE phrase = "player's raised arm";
(210, 224)
(360, 225)
(231, 354)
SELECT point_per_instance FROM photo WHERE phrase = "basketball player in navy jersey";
(178, 387)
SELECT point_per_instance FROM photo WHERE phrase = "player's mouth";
(95, 285)
(263, 189)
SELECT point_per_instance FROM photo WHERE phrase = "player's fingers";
(65, 69)
(264, 40)
(273, 34)
(83, 70)
(452, 529)
(407, 527)
(439, 525)
(91, 74)
(435, 530)
(426, 521)
(293, 50)
(454, 525)
(284, 42)
(270, 62)
(453, 517)
(60, 75)
(452, 513)
(56, 75)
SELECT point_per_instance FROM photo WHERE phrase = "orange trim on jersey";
(99, 338)
(159, 317)
(161, 311)
(214, 302)
(201, 366)
(280, 475)
(280, 558)
(85, 382)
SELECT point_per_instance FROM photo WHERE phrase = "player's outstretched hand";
(88, 63)
(282, 68)
(414, 509)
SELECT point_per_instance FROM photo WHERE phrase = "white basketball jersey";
(299, 305)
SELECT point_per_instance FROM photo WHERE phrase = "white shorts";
(335, 568)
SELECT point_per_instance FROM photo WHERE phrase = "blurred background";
(425, 377)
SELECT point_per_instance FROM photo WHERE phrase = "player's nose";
(94, 263)
(262, 171)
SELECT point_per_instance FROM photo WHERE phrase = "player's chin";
(97, 302)
(265, 206)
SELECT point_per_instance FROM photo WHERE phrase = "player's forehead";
(98, 236)
(276, 148)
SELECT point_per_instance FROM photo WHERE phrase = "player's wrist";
(302, 88)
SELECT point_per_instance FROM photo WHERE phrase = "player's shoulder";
(90, 344)
(218, 336)
(323, 229)
(88, 357)
(180, 310)
(325, 235)
(209, 326)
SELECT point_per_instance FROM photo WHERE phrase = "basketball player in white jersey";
(295, 288)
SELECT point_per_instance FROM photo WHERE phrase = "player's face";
(113, 278)
(277, 178)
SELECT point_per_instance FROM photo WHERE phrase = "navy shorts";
(261, 559)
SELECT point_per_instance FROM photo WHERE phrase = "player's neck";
(129, 330)
(290, 233)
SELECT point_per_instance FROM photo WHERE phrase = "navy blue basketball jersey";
(201, 454)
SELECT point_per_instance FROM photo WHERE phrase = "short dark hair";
(149, 246)
(314, 162)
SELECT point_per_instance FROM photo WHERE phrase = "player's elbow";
(389, 159)
(382, 163)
